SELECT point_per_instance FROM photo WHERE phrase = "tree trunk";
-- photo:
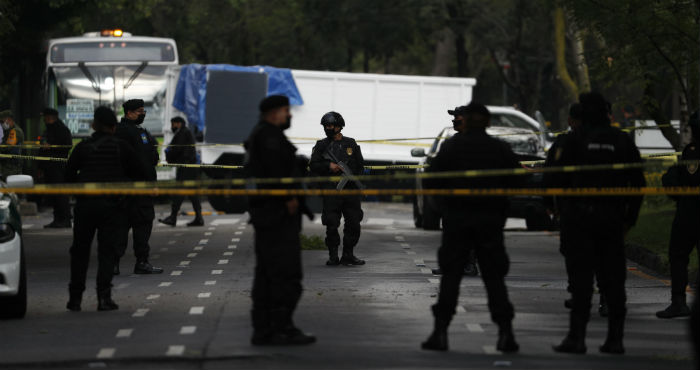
(653, 108)
(443, 51)
(560, 54)
(584, 80)
(462, 56)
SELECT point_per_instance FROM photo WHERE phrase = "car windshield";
(503, 120)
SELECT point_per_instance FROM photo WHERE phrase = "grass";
(653, 229)
(312, 243)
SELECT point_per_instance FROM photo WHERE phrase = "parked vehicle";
(525, 143)
(13, 270)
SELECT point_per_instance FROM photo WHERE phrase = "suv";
(13, 272)
(525, 141)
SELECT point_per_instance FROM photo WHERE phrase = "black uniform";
(278, 273)
(685, 232)
(100, 158)
(345, 150)
(54, 172)
(140, 209)
(183, 151)
(596, 243)
(474, 223)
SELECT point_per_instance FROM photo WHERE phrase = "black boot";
(198, 221)
(506, 338)
(678, 308)
(575, 341)
(603, 306)
(471, 270)
(76, 297)
(104, 301)
(437, 341)
(613, 343)
(283, 332)
(333, 259)
(144, 267)
(349, 258)
(569, 303)
(261, 327)
(170, 220)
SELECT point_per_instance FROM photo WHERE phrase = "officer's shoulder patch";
(348, 150)
(558, 153)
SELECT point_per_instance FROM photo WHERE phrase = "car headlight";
(7, 233)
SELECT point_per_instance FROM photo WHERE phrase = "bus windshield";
(112, 51)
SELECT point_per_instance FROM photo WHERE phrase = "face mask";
(174, 130)
(330, 132)
(140, 118)
(456, 123)
(5, 126)
(287, 124)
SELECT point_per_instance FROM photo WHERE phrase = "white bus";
(108, 68)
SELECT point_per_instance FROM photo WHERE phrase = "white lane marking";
(184, 263)
(224, 221)
(171, 242)
(236, 240)
(228, 254)
(232, 246)
(122, 286)
(197, 310)
(155, 256)
(475, 328)
(211, 228)
(380, 221)
(204, 295)
(210, 282)
(178, 234)
(238, 233)
(175, 351)
(164, 249)
(141, 312)
(405, 246)
(106, 352)
(191, 255)
(204, 241)
(217, 272)
(153, 296)
(411, 253)
(208, 233)
(27, 226)
(490, 350)
(165, 283)
(176, 273)
(188, 330)
(399, 238)
(124, 333)
(241, 227)
(198, 248)
(223, 262)
(419, 262)
(426, 271)
(434, 281)
(461, 309)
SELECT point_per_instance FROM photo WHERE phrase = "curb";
(652, 261)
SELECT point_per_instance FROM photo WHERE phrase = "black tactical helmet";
(333, 118)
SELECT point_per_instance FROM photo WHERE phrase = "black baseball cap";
(50, 112)
(472, 107)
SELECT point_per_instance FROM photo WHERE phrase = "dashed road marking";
(175, 351)
(124, 333)
(188, 330)
(204, 295)
(122, 286)
(197, 310)
(208, 233)
(153, 296)
(217, 272)
(210, 282)
(434, 281)
(475, 328)
(155, 256)
(191, 255)
(238, 233)
(224, 221)
(27, 226)
(165, 284)
(211, 228)
(241, 227)
(141, 312)
(399, 238)
(184, 263)
(228, 254)
(490, 350)
(198, 248)
(419, 262)
(171, 242)
(411, 253)
(176, 273)
(106, 352)
(164, 249)
(223, 262)
(232, 247)
(405, 246)
(178, 234)
(236, 240)
(426, 271)
(204, 241)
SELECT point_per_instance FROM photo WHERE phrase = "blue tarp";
(191, 90)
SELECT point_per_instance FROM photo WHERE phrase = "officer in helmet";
(332, 156)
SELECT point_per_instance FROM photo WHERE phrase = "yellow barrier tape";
(574, 192)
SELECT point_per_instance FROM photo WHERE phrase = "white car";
(13, 272)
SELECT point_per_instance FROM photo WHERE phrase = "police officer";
(182, 151)
(685, 233)
(54, 172)
(12, 140)
(277, 222)
(596, 243)
(567, 217)
(100, 158)
(140, 209)
(324, 162)
(473, 223)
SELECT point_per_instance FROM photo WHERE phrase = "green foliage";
(312, 243)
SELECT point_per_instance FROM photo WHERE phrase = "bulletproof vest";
(102, 161)
(599, 146)
(344, 151)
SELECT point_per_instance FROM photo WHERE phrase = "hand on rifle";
(335, 168)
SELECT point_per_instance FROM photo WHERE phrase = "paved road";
(196, 315)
